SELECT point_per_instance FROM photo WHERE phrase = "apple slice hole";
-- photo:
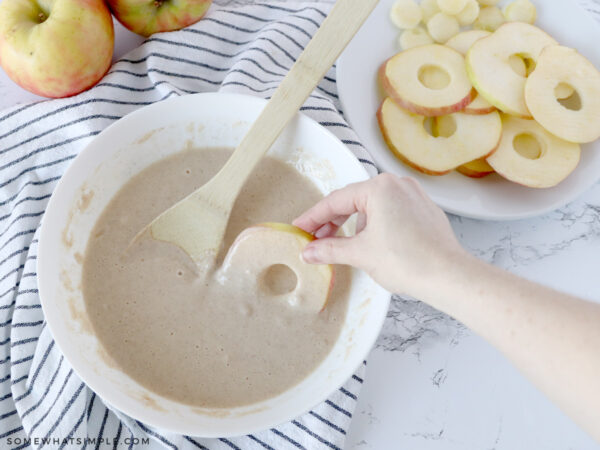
(434, 77)
(429, 125)
(278, 279)
(528, 146)
(440, 127)
(521, 64)
(568, 97)
(445, 126)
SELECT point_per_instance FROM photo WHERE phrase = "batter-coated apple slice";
(262, 250)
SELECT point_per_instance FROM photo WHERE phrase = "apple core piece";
(451, 7)
(490, 19)
(462, 42)
(406, 14)
(442, 27)
(469, 13)
(429, 8)
(415, 37)
(521, 11)
(531, 156)
(575, 118)
(490, 70)
(429, 80)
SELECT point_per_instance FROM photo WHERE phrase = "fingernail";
(309, 255)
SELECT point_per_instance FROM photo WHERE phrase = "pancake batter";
(188, 337)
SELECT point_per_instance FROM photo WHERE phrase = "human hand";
(403, 240)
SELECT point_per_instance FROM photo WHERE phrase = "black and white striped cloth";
(246, 49)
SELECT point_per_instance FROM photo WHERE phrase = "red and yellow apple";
(146, 17)
(260, 249)
(55, 48)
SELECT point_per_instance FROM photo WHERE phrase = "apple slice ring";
(260, 254)
(490, 70)
(473, 137)
(462, 42)
(430, 80)
(558, 69)
(530, 156)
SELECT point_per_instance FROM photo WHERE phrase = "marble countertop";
(431, 383)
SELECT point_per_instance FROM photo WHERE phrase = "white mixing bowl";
(123, 150)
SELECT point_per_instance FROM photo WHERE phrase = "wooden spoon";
(197, 224)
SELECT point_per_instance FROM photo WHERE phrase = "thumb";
(337, 250)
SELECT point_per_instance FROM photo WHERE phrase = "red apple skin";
(472, 173)
(70, 53)
(475, 173)
(397, 152)
(145, 17)
(480, 111)
(418, 109)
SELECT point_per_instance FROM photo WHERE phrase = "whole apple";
(147, 17)
(55, 48)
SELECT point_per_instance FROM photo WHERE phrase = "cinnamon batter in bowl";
(189, 336)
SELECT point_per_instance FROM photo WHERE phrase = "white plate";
(102, 168)
(492, 198)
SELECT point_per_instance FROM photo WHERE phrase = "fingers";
(335, 207)
(339, 250)
(361, 222)
(327, 230)
(331, 228)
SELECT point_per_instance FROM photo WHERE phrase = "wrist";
(455, 278)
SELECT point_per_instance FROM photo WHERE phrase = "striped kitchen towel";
(245, 49)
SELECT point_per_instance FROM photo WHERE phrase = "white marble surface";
(431, 383)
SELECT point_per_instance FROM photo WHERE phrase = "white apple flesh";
(564, 67)
(407, 78)
(490, 70)
(471, 137)
(530, 156)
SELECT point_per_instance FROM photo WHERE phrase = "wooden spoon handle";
(336, 31)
